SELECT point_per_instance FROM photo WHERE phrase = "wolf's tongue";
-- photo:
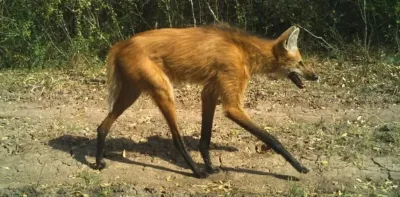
(296, 79)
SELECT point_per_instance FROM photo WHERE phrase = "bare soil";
(347, 136)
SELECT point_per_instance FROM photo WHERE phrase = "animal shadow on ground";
(154, 146)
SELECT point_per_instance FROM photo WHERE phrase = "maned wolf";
(219, 57)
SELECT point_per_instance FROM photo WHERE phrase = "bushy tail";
(113, 77)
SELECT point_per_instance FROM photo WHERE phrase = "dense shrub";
(51, 32)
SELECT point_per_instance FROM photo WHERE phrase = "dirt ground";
(347, 135)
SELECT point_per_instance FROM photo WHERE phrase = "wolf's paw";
(213, 170)
(99, 165)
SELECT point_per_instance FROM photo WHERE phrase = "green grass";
(347, 139)
(384, 189)
(41, 84)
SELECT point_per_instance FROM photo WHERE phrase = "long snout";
(312, 77)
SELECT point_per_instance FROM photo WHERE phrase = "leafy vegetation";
(354, 44)
(48, 33)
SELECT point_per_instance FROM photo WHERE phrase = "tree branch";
(194, 17)
(212, 12)
(317, 37)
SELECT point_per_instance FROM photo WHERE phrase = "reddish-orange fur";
(220, 58)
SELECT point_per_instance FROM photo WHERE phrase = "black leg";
(238, 116)
(165, 102)
(209, 101)
(102, 132)
(126, 98)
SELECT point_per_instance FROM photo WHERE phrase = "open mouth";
(296, 79)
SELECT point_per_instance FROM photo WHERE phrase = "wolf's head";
(288, 59)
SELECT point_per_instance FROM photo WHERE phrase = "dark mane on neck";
(253, 45)
(227, 28)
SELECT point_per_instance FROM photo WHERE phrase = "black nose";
(313, 77)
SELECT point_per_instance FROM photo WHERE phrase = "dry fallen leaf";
(170, 178)
(105, 184)
(324, 163)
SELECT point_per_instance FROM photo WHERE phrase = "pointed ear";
(289, 38)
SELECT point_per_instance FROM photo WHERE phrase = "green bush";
(50, 32)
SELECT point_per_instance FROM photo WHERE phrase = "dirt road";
(349, 138)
